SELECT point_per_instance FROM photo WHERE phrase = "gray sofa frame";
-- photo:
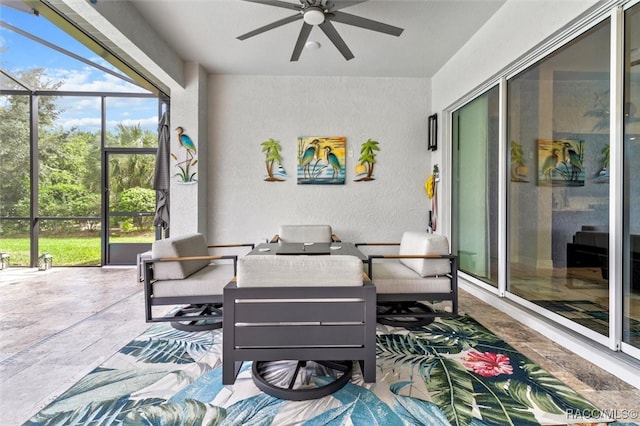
(199, 312)
(421, 296)
(299, 323)
(424, 315)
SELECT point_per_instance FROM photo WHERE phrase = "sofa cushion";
(299, 271)
(305, 233)
(391, 276)
(183, 246)
(422, 243)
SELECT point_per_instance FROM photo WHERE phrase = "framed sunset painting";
(322, 160)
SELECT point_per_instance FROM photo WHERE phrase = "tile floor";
(58, 325)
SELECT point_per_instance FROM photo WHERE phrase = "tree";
(14, 136)
(138, 200)
(69, 161)
(132, 137)
(131, 170)
(63, 199)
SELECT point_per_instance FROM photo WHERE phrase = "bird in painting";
(309, 154)
(186, 141)
(571, 158)
(549, 164)
(332, 160)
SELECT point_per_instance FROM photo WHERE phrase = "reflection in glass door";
(558, 211)
(130, 205)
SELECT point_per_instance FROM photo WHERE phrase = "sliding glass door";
(558, 244)
(475, 159)
(560, 184)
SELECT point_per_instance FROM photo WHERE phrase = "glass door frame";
(617, 154)
(124, 249)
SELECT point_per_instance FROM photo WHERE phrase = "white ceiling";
(205, 31)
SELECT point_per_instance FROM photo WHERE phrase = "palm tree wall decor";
(271, 149)
(367, 160)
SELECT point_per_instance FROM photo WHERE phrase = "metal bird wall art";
(185, 174)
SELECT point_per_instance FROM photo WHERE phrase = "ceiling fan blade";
(302, 39)
(277, 3)
(270, 26)
(340, 4)
(368, 24)
(328, 28)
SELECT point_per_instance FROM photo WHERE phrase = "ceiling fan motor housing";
(313, 15)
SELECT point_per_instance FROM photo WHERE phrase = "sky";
(19, 53)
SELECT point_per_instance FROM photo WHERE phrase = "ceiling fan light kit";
(313, 16)
(321, 13)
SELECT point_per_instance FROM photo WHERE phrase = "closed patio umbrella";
(161, 175)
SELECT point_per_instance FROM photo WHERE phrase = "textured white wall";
(247, 110)
(189, 110)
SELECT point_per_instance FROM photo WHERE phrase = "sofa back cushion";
(299, 271)
(421, 243)
(183, 246)
(305, 233)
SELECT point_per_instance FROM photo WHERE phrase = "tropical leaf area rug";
(452, 372)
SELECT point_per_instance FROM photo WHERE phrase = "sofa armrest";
(232, 245)
(148, 263)
(239, 249)
(453, 259)
(376, 244)
(186, 258)
(378, 248)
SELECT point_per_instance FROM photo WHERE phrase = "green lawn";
(66, 251)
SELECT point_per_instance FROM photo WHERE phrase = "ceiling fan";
(321, 13)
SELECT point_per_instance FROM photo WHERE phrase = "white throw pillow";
(421, 243)
(183, 246)
(305, 233)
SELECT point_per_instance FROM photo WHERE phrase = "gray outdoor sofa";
(182, 273)
(416, 282)
(300, 308)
